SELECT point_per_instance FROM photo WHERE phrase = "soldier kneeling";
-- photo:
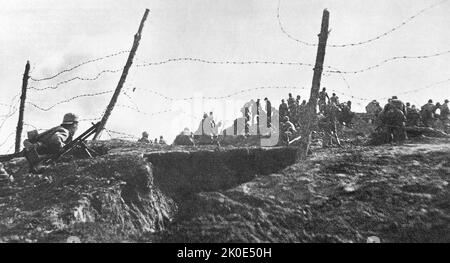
(39, 146)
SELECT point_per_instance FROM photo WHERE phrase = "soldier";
(49, 142)
(373, 109)
(445, 111)
(427, 113)
(408, 107)
(413, 117)
(328, 125)
(334, 99)
(287, 131)
(394, 124)
(291, 105)
(347, 114)
(323, 96)
(186, 137)
(283, 110)
(162, 141)
(144, 138)
(297, 100)
(155, 141)
(398, 104)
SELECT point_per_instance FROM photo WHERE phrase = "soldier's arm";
(58, 140)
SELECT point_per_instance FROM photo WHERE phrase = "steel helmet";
(70, 118)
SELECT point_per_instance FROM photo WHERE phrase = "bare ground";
(397, 193)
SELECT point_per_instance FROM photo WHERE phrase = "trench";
(181, 173)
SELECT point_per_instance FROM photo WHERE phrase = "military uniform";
(394, 124)
(323, 95)
(49, 142)
(328, 125)
(412, 117)
(427, 114)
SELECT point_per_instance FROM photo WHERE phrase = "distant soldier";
(445, 111)
(347, 114)
(162, 141)
(398, 104)
(297, 100)
(394, 124)
(211, 119)
(184, 138)
(283, 110)
(269, 112)
(291, 104)
(144, 138)
(301, 113)
(334, 99)
(49, 142)
(287, 130)
(427, 113)
(323, 97)
(328, 125)
(408, 107)
(413, 117)
(155, 141)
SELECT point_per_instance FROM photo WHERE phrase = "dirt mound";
(111, 198)
(400, 194)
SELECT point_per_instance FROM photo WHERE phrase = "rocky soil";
(142, 193)
(396, 193)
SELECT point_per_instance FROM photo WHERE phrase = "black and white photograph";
(224, 121)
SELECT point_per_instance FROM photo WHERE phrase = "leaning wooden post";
(22, 106)
(311, 113)
(123, 77)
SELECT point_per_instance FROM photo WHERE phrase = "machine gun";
(78, 142)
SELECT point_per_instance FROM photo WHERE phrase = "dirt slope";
(398, 193)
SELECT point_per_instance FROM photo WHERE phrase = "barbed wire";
(91, 119)
(387, 61)
(429, 86)
(7, 139)
(121, 133)
(76, 78)
(219, 97)
(68, 100)
(225, 62)
(143, 112)
(360, 42)
(79, 65)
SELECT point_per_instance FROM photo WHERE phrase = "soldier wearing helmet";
(51, 141)
(144, 138)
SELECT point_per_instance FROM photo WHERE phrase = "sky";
(57, 35)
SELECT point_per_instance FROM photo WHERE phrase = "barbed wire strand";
(76, 78)
(7, 139)
(220, 97)
(378, 37)
(68, 100)
(387, 61)
(79, 65)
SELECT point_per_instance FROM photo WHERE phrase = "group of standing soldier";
(395, 116)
